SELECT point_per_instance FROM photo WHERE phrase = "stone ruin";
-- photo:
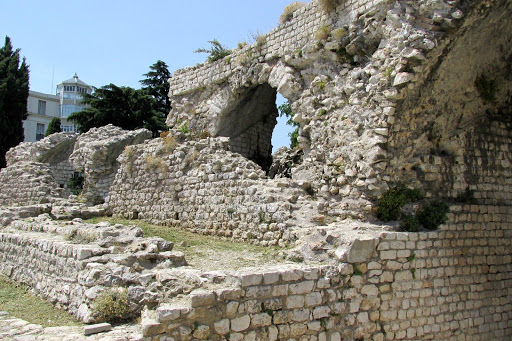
(386, 93)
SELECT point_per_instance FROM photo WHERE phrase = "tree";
(156, 84)
(286, 110)
(13, 98)
(122, 106)
(53, 127)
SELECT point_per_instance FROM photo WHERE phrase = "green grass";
(204, 251)
(19, 302)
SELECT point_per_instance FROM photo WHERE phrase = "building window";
(41, 108)
(69, 128)
(39, 131)
(68, 109)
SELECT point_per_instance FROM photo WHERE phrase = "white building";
(42, 108)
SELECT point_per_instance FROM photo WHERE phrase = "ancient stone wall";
(366, 81)
(441, 285)
(28, 183)
(71, 264)
(95, 155)
(200, 185)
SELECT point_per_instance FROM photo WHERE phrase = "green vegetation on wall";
(286, 110)
(217, 51)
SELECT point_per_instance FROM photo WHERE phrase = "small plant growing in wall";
(328, 5)
(389, 206)
(466, 197)
(184, 128)
(217, 51)
(433, 214)
(75, 184)
(409, 223)
(322, 33)
(112, 305)
(486, 88)
(288, 11)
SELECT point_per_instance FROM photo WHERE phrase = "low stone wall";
(201, 186)
(71, 264)
(28, 183)
(442, 285)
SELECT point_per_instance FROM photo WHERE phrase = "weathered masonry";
(417, 93)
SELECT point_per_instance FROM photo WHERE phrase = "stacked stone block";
(449, 284)
(28, 183)
(72, 264)
(201, 186)
(95, 155)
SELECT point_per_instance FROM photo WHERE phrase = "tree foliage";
(13, 98)
(286, 110)
(129, 108)
(156, 84)
(53, 127)
(217, 51)
(122, 106)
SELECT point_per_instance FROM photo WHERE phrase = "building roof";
(43, 95)
(74, 80)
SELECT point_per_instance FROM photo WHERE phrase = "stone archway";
(249, 122)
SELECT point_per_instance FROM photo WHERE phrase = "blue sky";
(113, 41)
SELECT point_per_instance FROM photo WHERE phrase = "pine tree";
(53, 127)
(122, 106)
(156, 84)
(13, 98)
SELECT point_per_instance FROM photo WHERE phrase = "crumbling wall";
(72, 264)
(53, 150)
(28, 183)
(441, 285)
(198, 184)
(365, 81)
(95, 155)
(452, 131)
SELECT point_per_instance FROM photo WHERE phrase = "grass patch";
(16, 299)
(204, 251)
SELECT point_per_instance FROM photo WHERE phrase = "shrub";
(288, 11)
(466, 197)
(339, 33)
(112, 305)
(433, 214)
(486, 88)
(322, 33)
(75, 184)
(217, 51)
(409, 223)
(328, 5)
(389, 206)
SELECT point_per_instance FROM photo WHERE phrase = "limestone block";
(261, 320)
(222, 327)
(240, 324)
(97, 328)
(295, 301)
(201, 298)
(361, 250)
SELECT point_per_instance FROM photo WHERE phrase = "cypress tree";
(13, 98)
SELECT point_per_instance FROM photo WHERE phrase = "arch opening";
(250, 122)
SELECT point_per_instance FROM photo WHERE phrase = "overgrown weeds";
(112, 305)
(288, 11)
